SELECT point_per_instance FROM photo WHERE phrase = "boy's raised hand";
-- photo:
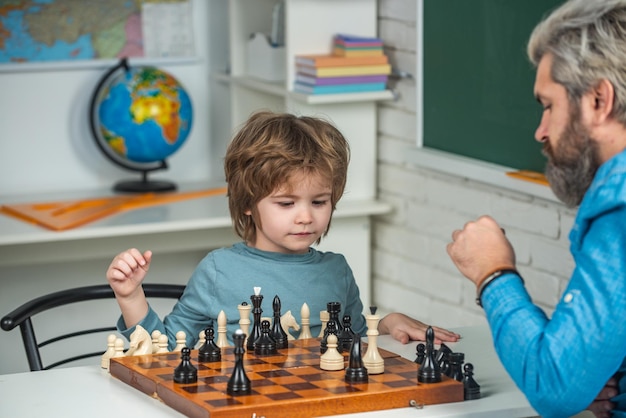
(127, 271)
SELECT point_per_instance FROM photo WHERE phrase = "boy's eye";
(320, 202)
(285, 204)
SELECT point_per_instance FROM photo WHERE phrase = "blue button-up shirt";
(562, 363)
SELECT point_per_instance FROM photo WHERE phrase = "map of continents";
(61, 30)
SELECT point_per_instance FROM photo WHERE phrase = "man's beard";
(573, 164)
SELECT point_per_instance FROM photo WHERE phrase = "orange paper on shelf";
(59, 216)
(532, 176)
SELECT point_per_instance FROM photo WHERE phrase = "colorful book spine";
(326, 81)
(384, 69)
(331, 60)
(357, 52)
(339, 88)
(357, 41)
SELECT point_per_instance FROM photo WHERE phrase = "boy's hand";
(405, 329)
(127, 271)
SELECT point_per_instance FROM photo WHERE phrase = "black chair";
(21, 317)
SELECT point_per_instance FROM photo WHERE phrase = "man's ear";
(601, 100)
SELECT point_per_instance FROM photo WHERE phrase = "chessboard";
(289, 384)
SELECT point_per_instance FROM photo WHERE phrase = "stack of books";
(357, 64)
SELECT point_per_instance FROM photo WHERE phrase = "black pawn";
(255, 333)
(442, 359)
(185, 372)
(356, 372)
(278, 334)
(471, 389)
(209, 352)
(429, 371)
(331, 328)
(421, 352)
(238, 384)
(265, 344)
(346, 335)
(456, 366)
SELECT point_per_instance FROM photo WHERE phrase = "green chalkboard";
(478, 83)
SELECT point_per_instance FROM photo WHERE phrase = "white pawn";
(332, 359)
(222, 340)
(324, 317)
(104, 361)
(181, 341)
(155, 340)
(162, 344)
(201, 338)
(372, 359)
(119, 348)
(305, 318)
(244, 319)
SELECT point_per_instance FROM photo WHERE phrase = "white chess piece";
(162, 344)
(181, 341)
(332, 359)
(110, 351)
(155, 340)
(324, 317)
(222, 340)
(372, 359)
(244, 319)
(288, 321)
(201, 338)
(119, 348)
(140, 342)
(305, 318)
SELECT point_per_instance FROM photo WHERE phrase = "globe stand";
(144, 185)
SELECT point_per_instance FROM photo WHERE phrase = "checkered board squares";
(289, 384)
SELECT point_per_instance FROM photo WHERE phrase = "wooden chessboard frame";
(288, 385)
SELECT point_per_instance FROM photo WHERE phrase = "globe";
(139, 116)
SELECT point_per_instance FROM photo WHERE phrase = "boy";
(285, 175)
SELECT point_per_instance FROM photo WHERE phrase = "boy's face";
(295, 216)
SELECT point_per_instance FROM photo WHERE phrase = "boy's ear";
(247, 212)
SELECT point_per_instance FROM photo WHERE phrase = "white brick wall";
(411, 269)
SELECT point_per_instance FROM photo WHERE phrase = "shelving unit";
(309, 29)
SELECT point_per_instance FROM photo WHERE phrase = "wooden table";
(89, 391)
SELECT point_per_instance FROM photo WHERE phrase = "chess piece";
(110, 351)
(265, 344)
(288, 321)
(201, 339)
(346, 335)
(185, 372)
(330, 329)
(119, 348)
(471, 388)
(332, 359)
(155, 340)
(421, 352)
(456, 366)
(181, 341)
(429, 371)
(372, 360)
(244, 318)
(442, 359)
(222, 340)
(209, 351)
(162, 344)
(238, 384)
(305, 318)
(324, 319)
(334, 308)
(255, 333)
(277, 332)
(140, 342)
(356, 372)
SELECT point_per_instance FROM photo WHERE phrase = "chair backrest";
(22, 315)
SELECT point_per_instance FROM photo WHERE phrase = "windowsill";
(476, 170)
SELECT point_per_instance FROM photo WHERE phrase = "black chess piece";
(255, 332)
(429, 371)
(331, 328)
(421, 352)
(471, 388)
(185, 372)
(209, 352)
(333, 309)
(278, 333)
(346, 335)
(356, 372)
(239, 383)
(441, 358)
(456, 366)
(265, 344)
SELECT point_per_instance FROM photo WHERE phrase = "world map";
(59, 30)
